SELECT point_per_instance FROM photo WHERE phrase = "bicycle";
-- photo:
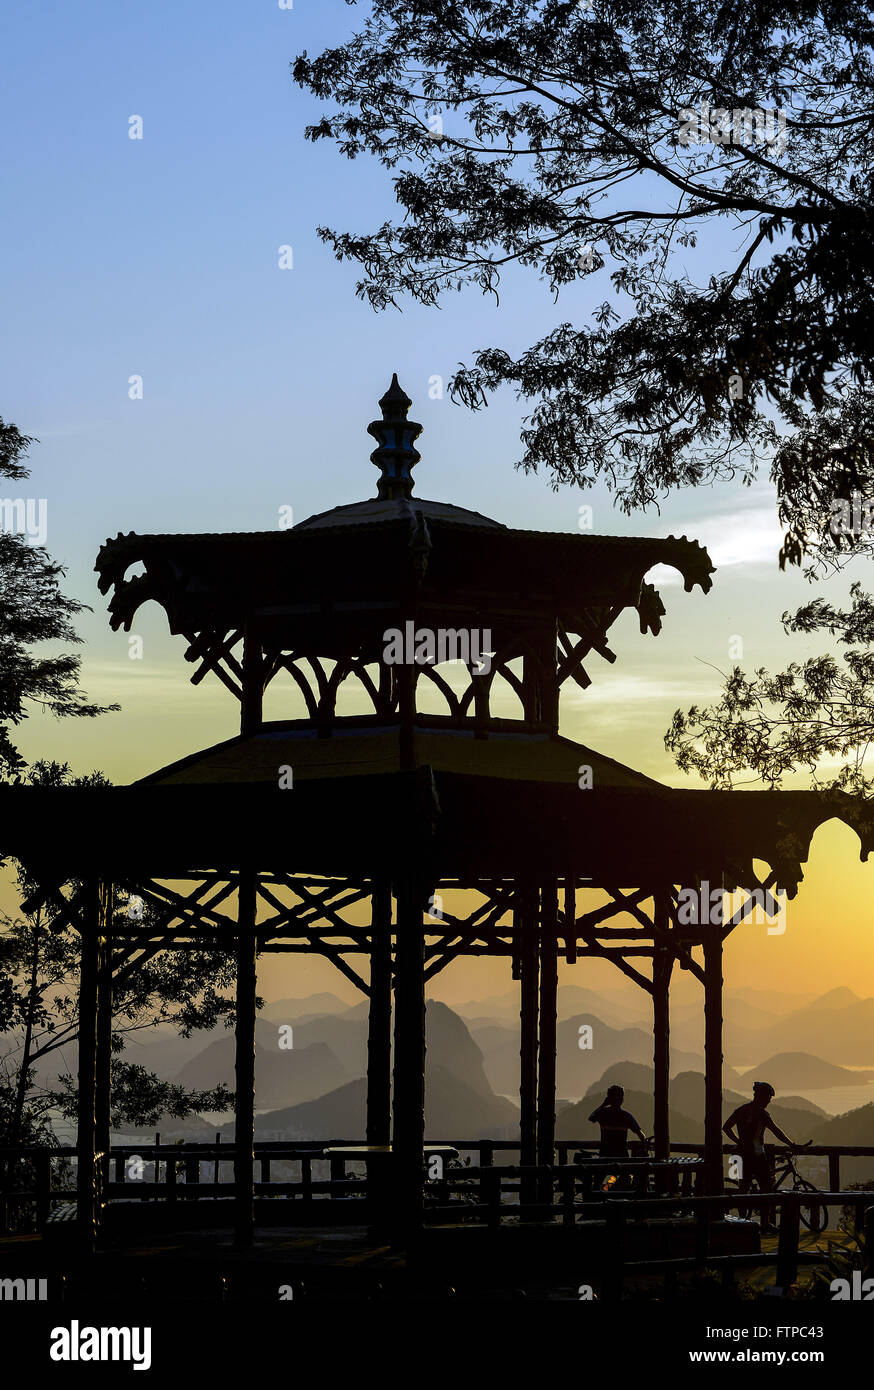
(813, 1215)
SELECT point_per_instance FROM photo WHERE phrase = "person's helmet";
(615, 1093)
(763, 1088)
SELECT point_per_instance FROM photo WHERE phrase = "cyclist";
(749, 1123)
(615, 1124)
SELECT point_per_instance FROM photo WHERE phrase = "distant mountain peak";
(837, 998)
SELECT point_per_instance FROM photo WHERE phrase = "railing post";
(787, 1241)
(43, 1188)
(567, 1182)
(486, 1159)
(834, 1172)
(614, 1255)
(702, 1232)
(492, 1188)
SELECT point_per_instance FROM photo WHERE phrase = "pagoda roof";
(206, 580)
(379, 553)
(363, 819)
(254, 759)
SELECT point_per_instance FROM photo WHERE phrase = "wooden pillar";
(86, 1137)
(548, 1020)
(379, 1025)
(525, 928)
(713, 1179)
(662, 965)
(244, 1065)
(408, 1100)
(103, 1057)
(540, 693)
(251, 706)
(406, 676)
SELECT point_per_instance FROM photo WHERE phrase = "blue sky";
(159, 258)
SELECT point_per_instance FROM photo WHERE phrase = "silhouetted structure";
(372, 799)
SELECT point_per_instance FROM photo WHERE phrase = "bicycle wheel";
(814, 1215)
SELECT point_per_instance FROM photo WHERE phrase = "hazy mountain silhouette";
(293, 1010)
(576, 1068)
(838, 998)
(503, 1009)
(454, 1109)
(838, 1027)
(802, 1069)
(855, 1127)
(299, 1073)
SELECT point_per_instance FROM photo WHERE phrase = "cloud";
(740, 537)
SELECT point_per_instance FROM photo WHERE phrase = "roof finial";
(395, 434)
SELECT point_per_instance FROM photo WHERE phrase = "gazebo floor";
(351, 1263)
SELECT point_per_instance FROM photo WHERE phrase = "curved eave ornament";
(777, 828)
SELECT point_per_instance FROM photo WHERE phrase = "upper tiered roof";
(374, 551)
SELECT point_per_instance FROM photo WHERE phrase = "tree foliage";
(39, 967)
(547, 134)
(33, 610)
(816, 715)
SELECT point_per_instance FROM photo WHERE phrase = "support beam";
(662, 966)
(713, 1178)
(244, 1066)
(408, 1100)
(379, 1025)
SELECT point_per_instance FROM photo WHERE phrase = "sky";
(159, 258)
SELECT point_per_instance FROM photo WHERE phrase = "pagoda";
(426, 647)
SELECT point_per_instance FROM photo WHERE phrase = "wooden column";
(379, 1025)
(540, 693)
(251, 707)
(713, 1058)
(408, 1100)
(662, 965)
(86, 1136)
(244, 1065)
(525, 928)
(548, 1020)
(103, 1058)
